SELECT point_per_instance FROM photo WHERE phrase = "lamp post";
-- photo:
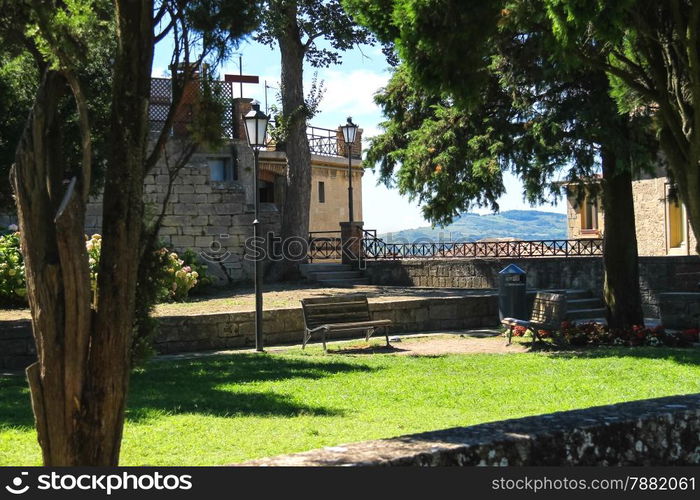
(349, 132)
(256, 131)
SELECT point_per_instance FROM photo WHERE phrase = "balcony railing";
(378, 249)
(322, 141)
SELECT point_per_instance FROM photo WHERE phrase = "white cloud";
(351, 91)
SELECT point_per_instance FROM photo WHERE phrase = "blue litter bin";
(512, 300)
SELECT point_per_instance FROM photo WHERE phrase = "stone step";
(344, 282)
(572, 294)
(334, 275)
(306, 269)
(589, 303)
(585, 314)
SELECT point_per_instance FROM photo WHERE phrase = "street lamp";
(256, 131)
(349, 132)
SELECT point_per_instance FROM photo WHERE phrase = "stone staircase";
(582, 305)
(333, 275)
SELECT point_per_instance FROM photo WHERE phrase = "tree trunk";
(108, 369)
(297, 201)
(623, 300)
(78, 386)
(58, 279)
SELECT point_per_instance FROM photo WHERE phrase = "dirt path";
(438, 345)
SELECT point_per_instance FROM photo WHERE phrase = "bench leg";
(510, 335)
(386, 334)
(368, 334)
(324, 340)
(307, 336)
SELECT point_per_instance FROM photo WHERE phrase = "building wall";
(327, 216)
(650, 220)
(574, 220)
(650, 217)
(212, 218)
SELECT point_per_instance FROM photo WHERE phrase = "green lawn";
(226, 409)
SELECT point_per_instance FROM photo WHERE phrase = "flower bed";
(594, 334)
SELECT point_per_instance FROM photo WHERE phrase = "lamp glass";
(349, 132)
(256, 126)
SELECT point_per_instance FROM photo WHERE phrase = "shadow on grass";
(680, 355)
(194, 386)
(367, 349)
(15, 402)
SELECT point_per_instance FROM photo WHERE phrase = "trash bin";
(512, 301)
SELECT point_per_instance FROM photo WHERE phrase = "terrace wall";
(227, 331)
(656, 274)
(663, 431)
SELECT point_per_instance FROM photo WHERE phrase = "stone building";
(661, 221)
(211, 205)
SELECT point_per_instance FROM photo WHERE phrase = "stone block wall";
(280, 326)
(212, 218)
(227, 331)
(7, 219)
(556, 272)
(17, 347)
(680, 310)
(662, 431)
(650, 218)
(656, 274)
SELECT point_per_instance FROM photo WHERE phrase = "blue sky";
(350, 87)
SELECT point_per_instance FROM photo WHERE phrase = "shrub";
(13, 286)
(174, 277)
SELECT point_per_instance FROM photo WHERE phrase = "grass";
(226, 409)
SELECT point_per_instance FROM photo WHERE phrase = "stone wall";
(227, 331)
(650, 208)
(7, 219)
(17, 348)
(574, 218)
(663, 431)
(680, 310)
(555, 272)
(656, 274)
(212, 218)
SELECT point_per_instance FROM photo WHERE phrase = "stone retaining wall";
(227, 331)
(680, 310)
(17, 348)
(663, 431)
(656, 274)
(224, 331)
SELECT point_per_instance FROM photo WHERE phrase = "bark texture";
(297, 200)
(623, 301)
(79, 384)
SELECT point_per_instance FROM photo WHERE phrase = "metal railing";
(377, 249)
(325, 245)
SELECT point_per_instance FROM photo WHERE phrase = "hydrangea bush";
(13, 286)
(175, 277)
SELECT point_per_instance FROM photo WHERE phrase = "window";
(221, 169)
(267, 192)
(676, 224)
(321, 192)
(589, 213)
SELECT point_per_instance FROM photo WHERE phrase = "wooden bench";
(548, 312)
(340, 314)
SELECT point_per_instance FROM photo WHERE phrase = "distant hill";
(519, 224)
